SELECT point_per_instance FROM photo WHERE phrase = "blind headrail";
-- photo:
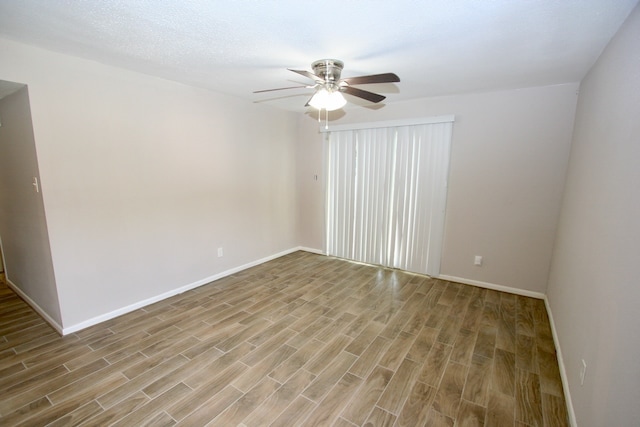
(391, 123)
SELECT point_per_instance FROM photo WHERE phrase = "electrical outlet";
(477, 260)
(583, 371)
(220, 252)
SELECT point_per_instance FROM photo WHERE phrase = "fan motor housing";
(328, 69)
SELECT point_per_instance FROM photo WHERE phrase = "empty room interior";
(320, 213)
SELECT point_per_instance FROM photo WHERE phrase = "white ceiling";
(437, 47)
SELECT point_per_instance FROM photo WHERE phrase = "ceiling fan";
(329, 86)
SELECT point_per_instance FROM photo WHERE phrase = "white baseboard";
(313, 251)
(165, 295)
(563, 370)
(502, 288)
(55, 325)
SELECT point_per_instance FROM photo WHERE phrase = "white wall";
(143, 179)
(593, 289)
(508, 163)
(23, 226)
(311, 195)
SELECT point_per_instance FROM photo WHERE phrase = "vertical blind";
(386, 195)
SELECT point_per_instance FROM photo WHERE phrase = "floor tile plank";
(416, 408)
(447, 400)
(275, 404)
(368, 394)
(399, 387)
(501, 409)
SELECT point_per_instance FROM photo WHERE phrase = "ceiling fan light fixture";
(327, 100)
(329, 85)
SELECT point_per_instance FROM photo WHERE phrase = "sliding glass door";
(386, 195)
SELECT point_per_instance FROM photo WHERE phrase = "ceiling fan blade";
(307, 104)
(281, 88)
(308, 74)
(374, 78)
(364, 94)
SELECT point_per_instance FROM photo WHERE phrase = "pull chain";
(326, 118)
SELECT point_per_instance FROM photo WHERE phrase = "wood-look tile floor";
(301, 340)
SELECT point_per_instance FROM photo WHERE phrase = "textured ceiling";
(437, 47)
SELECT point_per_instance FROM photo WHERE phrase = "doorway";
(24, 238)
